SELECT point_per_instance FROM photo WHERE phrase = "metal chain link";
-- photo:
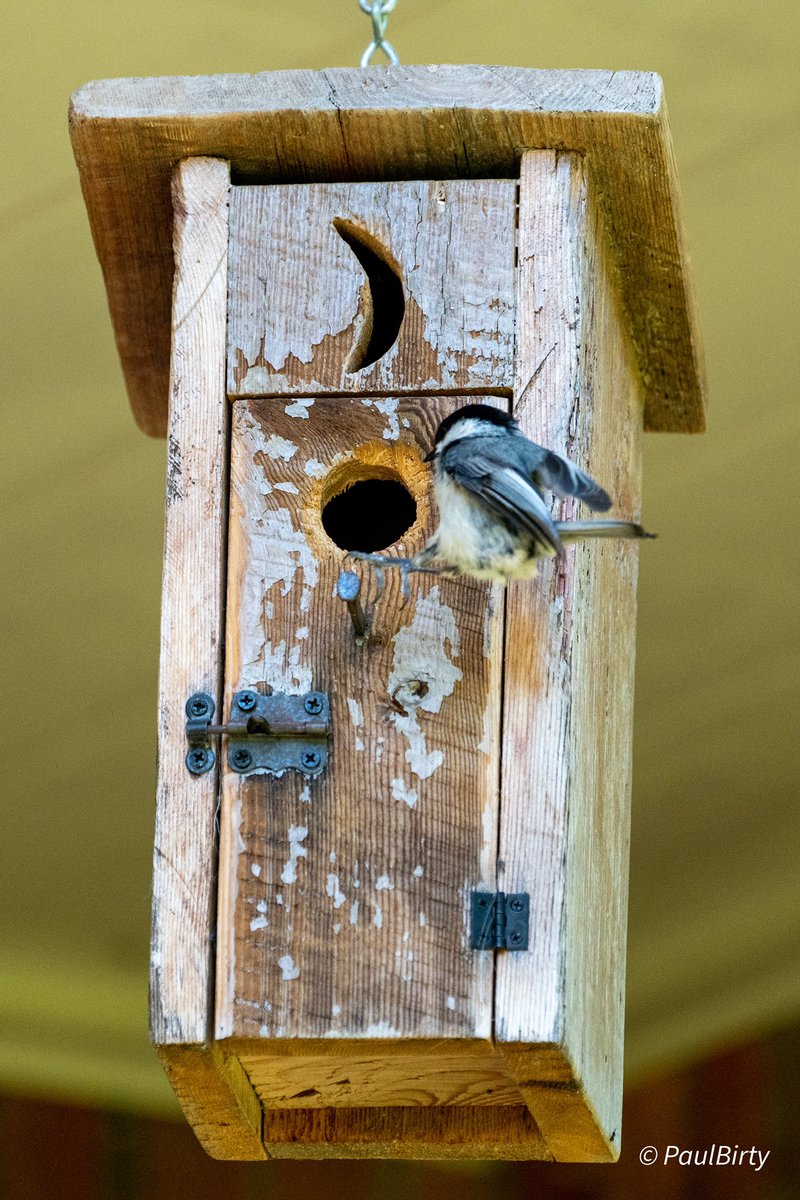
(379, 11)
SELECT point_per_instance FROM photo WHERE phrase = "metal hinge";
(499, 921)
(269, 734)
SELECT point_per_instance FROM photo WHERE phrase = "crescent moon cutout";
(386, 303)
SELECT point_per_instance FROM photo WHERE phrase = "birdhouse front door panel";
(372, 288)
(345, 895)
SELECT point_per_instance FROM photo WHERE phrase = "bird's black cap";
(476, 412)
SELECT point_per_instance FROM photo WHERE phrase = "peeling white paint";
(451, 1002)
(278, 447)
(256, 869)
(305, 794)
(289, 970)
(384, 884)
(287, 486)
(337, 928)
(377, 916)
(382, 1029)
(277, 551)
(296, 851)
(405, 959)
(305, 599)
(314, 468)
(336, 1010)
(477, 323)
(299, 408)
(332, 856)
(279, 898)
(423, 920)
(258, 923)
(359, 744)
(286, 551)
(261, 906)
(283, 669)
(418, 871)
(354, 912)
(389, 409)
(423, 675)
(356, 712)
(334, 891)
(379, 750)
(302, 633)
(401, 791)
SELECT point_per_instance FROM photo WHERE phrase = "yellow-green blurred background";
(714, 952)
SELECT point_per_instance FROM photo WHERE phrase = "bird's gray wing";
(485, 472)
(565, 479)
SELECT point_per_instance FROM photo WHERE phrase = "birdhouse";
(390, 870)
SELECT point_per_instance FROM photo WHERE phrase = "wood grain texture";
(301, 310)
(215, 1094)
(394, 1081)
(344, 899)
(505, 1132)
(568, 680)
(399, 123)
(191, 616)
(218, 1100)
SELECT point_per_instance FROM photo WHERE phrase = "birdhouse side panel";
(569, 678)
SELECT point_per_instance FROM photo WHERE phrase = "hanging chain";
(379, 11)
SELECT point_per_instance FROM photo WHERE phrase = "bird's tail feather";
(572, 531)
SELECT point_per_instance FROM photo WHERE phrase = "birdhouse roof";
(414, 122)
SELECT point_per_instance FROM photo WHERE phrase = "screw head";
(516, 905)
(483, 902)
(246, 701)
(515, 938)
(311, 759)
(198, 706)
(313, 705)
(199, 760)
(241, 759)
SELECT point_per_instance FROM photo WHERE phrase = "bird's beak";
(430, 457)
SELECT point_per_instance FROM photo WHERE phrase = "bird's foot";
(406, 566)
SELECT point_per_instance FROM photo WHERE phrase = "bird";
(494, 523)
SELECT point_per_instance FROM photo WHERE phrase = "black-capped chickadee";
(493, 521)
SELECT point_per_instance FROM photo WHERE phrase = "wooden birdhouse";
(390, 865)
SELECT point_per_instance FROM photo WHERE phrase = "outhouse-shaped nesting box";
(343, 822)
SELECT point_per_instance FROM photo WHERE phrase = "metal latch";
(270, 734)
(499, 920)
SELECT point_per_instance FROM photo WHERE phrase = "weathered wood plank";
(344, 899)
(404, 123)
(568, 681)
(302, 312)
(215, 1094)
(218, 1100)
(396, 1081)
(506, 1132)
(182, 964)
